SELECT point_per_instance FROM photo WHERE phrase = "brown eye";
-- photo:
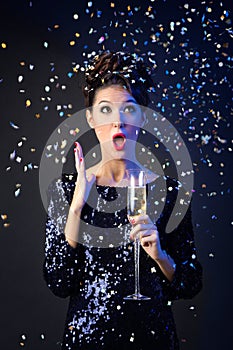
(106, 109)
(130, 109)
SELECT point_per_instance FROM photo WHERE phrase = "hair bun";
(120, 68)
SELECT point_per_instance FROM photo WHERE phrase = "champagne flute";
(136, 206)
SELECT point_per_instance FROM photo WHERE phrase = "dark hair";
(124, 69)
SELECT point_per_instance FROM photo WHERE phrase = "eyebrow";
(129, 100)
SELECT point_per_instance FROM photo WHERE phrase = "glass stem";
(136, 263)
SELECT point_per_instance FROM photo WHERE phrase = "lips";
(119, 140)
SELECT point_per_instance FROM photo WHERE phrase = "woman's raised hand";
(83, 183)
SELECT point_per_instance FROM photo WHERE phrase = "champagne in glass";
(136, 205)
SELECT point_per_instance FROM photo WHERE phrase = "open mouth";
(119, 141)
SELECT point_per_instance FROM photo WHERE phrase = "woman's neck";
(113, 172)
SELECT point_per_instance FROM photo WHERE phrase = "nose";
(118, 124)
(119, 119)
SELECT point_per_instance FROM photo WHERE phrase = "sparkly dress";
(100, 271)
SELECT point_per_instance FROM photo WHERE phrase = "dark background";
(196, 99)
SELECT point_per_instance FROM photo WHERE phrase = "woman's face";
(116, 118)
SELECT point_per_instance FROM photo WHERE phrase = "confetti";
(20, 78)
(13, 125)
(190, 50)
(18, 190)
(28, 103)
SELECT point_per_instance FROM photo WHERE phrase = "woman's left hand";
(150, 242)
(148, 235)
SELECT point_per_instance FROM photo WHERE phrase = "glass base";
(137, 296)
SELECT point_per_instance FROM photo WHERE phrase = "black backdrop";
(191, 42)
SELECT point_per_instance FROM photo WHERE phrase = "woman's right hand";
(83, 183)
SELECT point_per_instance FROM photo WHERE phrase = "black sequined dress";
(100, 271)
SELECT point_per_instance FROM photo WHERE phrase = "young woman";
(88, 255)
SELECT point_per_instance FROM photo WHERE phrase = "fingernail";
(81, 159)
(76, 144)
(132, 221)
(75, 150)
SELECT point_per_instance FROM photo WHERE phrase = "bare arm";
(81, 192)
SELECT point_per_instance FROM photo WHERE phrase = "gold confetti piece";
(4, 216)
(6, 224)
(3, 45)
(112, 4)
(77, 35)
(56, 26)
(72, 43)
(37, 115)
(74, 132)
(63, 144)
(28, 103)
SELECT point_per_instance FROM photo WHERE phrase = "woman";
(88, 255)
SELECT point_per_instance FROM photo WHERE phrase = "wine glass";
(136, 205)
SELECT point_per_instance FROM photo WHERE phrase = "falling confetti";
(13, 125)
(190, 49)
